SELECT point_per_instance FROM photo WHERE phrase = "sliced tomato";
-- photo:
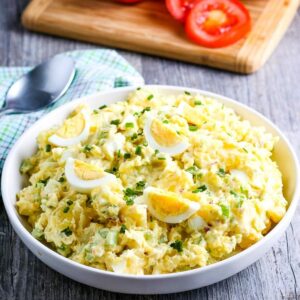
(128, 1)
(217, 23)
(179, 9)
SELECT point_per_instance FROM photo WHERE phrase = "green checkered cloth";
(96, 70)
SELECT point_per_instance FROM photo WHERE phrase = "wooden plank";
(147, 27)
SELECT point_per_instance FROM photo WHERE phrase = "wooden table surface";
(274, 91)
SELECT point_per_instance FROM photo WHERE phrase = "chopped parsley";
(115, 122)
(193, 127)
(177, 245)
(69, 202)
(150, 97)
(67, 231)
(225, 210)
(187, 93)
(95, 111)
(200, 189)
(156, 151)
(123, 228)
(165, 121)
(138, 88)
(145, 144)
(221, 172)
(48, 148)
(138, 150)
(127, 155)
(103, 106)
(66, 209)
(198, 102)
(129, 125)
(130, 195)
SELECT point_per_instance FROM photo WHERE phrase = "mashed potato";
(154, 184)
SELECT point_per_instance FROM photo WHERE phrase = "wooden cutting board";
(147, 27)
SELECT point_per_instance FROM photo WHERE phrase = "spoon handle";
(5, 111)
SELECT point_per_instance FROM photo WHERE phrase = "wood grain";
(274, 91)
(147, 27)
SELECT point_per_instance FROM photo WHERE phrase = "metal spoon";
(41, 86)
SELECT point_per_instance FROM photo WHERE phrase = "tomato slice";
(217, 23)
(128, 1)
(179, 9)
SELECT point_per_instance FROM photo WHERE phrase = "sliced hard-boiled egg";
(190, 114)
(163, 137)
(169, 207)
(83, 177)
(240, 175)
(73, 131)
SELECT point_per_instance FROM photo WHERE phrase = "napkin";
(96, 70)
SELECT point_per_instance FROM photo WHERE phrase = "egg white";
(193, 208)
(65, 142)
(82, 185)
(173, 150)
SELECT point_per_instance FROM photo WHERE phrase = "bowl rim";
(24, 234)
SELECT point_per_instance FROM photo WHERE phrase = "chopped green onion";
(145, 109)
(87, 148)
(123, 228)
(44, 181)
(134, 136)
(138, 88)
(95, 111)
(69, 202)
(150, 97)
(127, 155)
(161, 158)
(202, 188)
(138, 150)
(198, 102)
(115, 122)
(193, 128)
(66, 209)
(221, 172)
(187, 93)
(177, 245)
(225, 210)
(129, 125)
(140, 185)
(245, 150)
(103, 106)
(67, 231)
(165, 121)
(48, 148)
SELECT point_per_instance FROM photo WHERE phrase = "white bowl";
(12, 182)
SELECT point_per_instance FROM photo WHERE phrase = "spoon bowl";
(41, 86)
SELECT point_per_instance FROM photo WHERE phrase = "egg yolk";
(87, 171)
(164, 135)
(72, 127)
(192, 115)
(167, 203)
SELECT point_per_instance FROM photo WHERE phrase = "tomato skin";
(128, 1)
(214, 35)
(179, 9)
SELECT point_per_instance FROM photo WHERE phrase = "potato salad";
(154, 184)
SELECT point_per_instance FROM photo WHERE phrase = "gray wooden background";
(273, 91)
